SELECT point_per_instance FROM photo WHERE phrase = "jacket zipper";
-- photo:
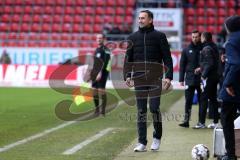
(145, 68)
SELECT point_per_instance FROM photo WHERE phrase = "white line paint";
(41, 134)
(86, 142)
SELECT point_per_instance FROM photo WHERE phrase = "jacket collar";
(146, 29)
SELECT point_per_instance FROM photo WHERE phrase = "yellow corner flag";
(82, 94)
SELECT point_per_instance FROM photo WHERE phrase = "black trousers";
(228, 115)
(151, 93)
(189, 93)
(209, 93)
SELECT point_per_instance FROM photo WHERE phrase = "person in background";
(5, 59)
(230, 91)
(209, 65)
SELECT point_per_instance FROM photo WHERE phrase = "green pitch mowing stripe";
(51, 147)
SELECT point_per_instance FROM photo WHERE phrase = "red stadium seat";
(110, 10)
(221, 4)
(211, 20)
(43, 36)
(39, 2)
(98, 19)
(121, 2)
(36, 27)
(189, 28)
(85, 44)
(220, 20)
(221, 12)
(60, 2)
(57, 18)
(55, 36)
(18, 9)
(129, 11)
(5, 18)
(29, 2)
(200, 28)
(89, 10)
(56, 28)
(231, 11)
(49, 2)
(200, 20)
(190, 20)
(131, 3)
(4, 27)
(88, 19)
(97, 28)
(211, 28)
(100, 10)
(87, 28)
(90, 2)
(37, 18)
(119, 11)
(110, 3)
(79, 10)
(33, 36)
(67, 19)
(37, 10)
(69, 10)
(100, 3)
(200, 3)
(78, 19)
(26, 18)
(231, 3)
(190, 12)
(67, 28)
(211, 12)
(48, 10)
(129, 19)
(70, 2)
(238, 11)
(46, 27)
(211, 4)
(65, 36)
(25, 27)
(200, 12)
(47, 18)
(10, 36)
(7, 9)
(118, 19)
(77, 28)
(80, 2)
(16, 18)
(108, 19)
(171, 4)
(58, 10)
(28, 10)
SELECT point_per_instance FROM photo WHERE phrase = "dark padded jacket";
(149, 45)
(188, 63)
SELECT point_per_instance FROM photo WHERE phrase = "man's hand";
(230, 91)
(181, 83)
(166, 83)
(129, 82)
(99, 76)
(197, 70)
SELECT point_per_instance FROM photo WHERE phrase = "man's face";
(195, 38)
(144, 20)
(202, 39)
(99, 39)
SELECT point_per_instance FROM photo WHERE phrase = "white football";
(200, 152)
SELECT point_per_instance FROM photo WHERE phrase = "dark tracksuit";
(209, 63)
(188, 63)
(101, 60)
(149, 51)
(231, 79)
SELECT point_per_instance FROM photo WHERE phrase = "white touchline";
(41, 134)
(86, 142)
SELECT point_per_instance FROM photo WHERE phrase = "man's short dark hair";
(207, 36)
(196, 31)
(149, 13)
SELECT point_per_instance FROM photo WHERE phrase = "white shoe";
(155, 144)
(140, 148)
(212, 125)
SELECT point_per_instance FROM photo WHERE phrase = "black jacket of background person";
(209, 61)
(188, 63)
(148, 45)
(101, 60)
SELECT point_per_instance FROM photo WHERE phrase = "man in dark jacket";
(149, 50)
(188, 63)
(209, 63)
(230, 92)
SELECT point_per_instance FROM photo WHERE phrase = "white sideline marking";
(41, 134)
(86, 142)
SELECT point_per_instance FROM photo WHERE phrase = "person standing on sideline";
(188, 63)
(230, 92)
(209, 63)
(143, 64)
(99, 74)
